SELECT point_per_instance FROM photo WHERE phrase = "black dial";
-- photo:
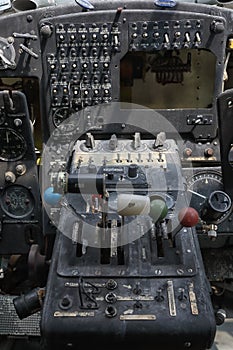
(17, 201)
(217, 204)
(12, 145)
(201, 187)
(60, 115)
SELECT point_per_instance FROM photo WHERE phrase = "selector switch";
(137, 141)
(187, 40)
(90, 141)
(217, 27)
(197, 38)
(113, 142)
(166, 41)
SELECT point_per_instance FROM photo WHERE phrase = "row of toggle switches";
(166, 34)
(165, 41)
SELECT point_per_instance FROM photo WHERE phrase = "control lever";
(160, 140)
(28, 51)
(131, 204)
(188, 217)
(137, 140)
(113, 142)
(90, 141)
(25, 36)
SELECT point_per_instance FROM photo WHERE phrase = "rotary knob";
(132, 171)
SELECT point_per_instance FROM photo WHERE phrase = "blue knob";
(51, 197)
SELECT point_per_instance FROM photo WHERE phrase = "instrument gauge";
(17, 201)
(12, 145)
(60, 115)
(201, 187)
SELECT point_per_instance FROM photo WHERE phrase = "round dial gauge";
(218, 203)
(12, 145)
(60, 115)
(17, 201)
(201, 187)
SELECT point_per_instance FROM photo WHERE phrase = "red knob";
(188, 217)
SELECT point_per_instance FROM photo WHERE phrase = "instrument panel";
(115, 179)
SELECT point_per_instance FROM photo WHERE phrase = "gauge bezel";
(69, 112)
(29, 194)
(19, 136)
(214, 175)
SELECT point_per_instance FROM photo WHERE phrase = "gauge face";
(12, 145)
(201, 187)
(60, 115)
(17, 201)
(219, 201)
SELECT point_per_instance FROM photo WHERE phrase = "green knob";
(158, 209)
